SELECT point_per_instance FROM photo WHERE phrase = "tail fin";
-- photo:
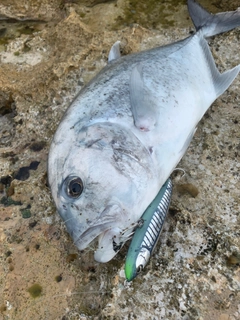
(212, 24)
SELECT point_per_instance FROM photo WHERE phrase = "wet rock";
(26, 213)
(35, 290)
(90, 3)
(23, 173)
(7, 114)
(6, 103)
(7, 201)
(10, 191)
(37, 146)
(6, 181)
(187, 188)
(32, 224)
(58, 278)
(35, 10)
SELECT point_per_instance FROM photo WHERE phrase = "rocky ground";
(48, 51)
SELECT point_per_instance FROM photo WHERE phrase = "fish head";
(100, 185)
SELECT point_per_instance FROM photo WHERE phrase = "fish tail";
(212, 24)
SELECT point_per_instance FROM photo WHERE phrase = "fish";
(147, 233)
(127, 129)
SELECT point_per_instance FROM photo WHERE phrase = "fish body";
(148, 232)
(128, 128)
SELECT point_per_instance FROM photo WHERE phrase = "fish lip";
(106, 221)
(92, 233)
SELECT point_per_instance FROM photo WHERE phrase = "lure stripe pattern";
(155, 226)
(147, 234)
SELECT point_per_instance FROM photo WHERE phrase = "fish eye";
(74, 187)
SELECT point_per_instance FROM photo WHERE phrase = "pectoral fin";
(142, 110)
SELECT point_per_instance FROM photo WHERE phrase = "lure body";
(147, 234)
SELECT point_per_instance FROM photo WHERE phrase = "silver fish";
(128, 128)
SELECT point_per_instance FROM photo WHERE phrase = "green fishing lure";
(147, 234)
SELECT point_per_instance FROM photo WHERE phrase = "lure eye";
(140, 268)
(74, 187)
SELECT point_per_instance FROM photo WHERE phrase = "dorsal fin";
(114, 52)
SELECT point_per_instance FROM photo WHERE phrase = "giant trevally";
(127, 129)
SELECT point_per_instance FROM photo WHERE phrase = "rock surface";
(195, 270)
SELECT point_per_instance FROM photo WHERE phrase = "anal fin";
(221, 81)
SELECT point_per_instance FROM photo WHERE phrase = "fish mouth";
(109, 242)
(108, 220)
(90, 234)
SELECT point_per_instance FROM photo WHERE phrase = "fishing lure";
(147, 233)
